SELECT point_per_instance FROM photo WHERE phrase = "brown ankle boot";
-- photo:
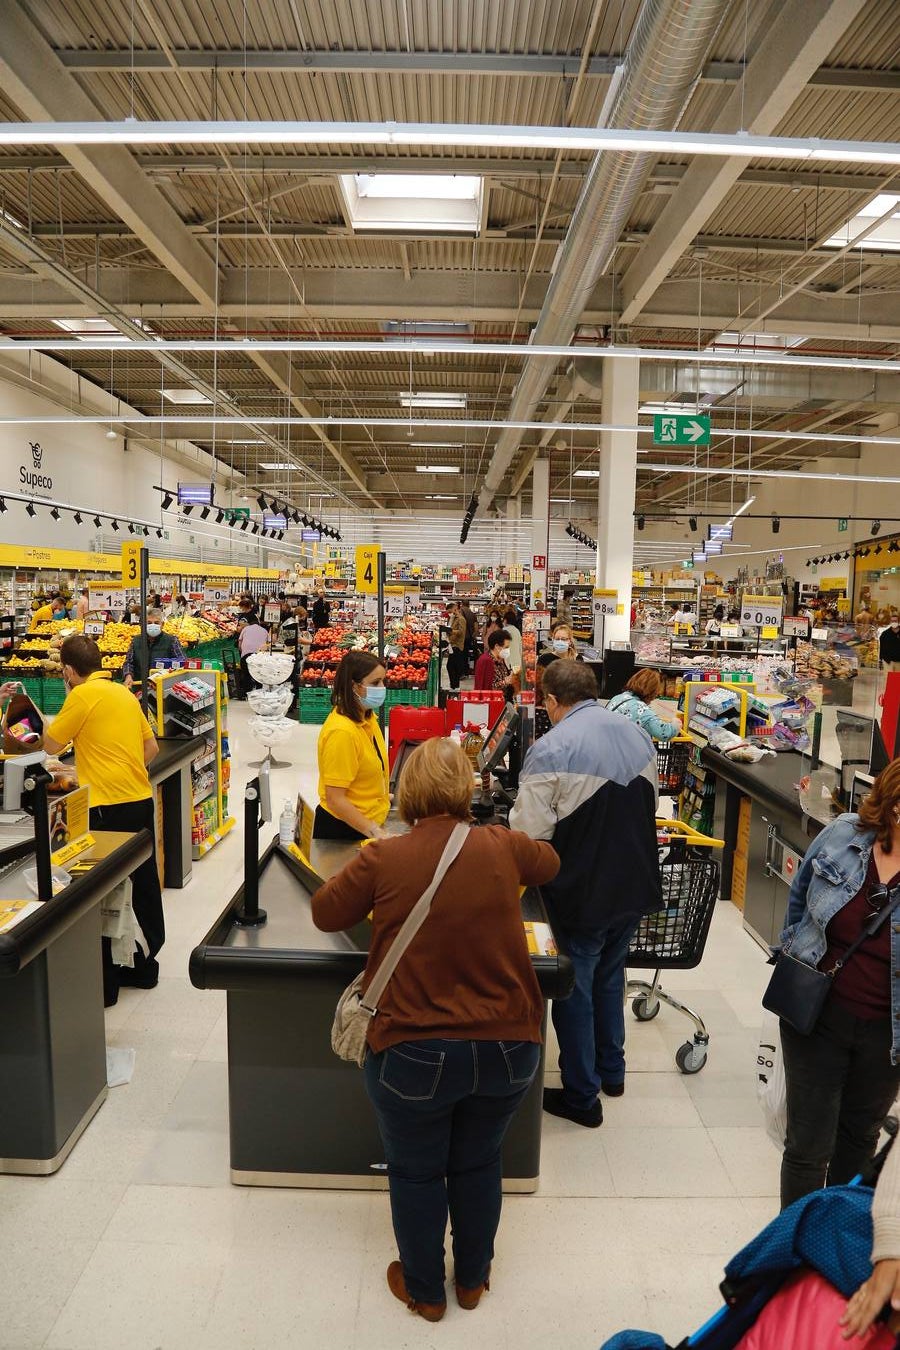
(432, 1312)
(470, 1298)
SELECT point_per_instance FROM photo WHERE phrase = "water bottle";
(456, 734)
(286, 825)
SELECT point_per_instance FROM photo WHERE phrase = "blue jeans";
(590, 1025)
(443, 1108)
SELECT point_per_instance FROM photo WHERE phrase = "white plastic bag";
(770, 1086)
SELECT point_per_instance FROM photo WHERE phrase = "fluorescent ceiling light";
(255, 440)
(437, 468)
(738, 145)
(885, 238)
(184, 396)
(718, 472)
(13, 220)
(436, 400)
(411, 201)
(745, 506)
(586, 473)
(688, 404)
(442, 497)
(423, 327)
(88, 328)
(438, 445)
(272, 467)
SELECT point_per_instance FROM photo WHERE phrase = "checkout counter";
(298, 1115)
(52, 1029)
(768, 820)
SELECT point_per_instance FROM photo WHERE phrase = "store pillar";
(511, 540)
(618, 472)
(540, 531)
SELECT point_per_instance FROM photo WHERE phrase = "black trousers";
(840, 1086)
(456, 666)
(327, 826)
(146, 895)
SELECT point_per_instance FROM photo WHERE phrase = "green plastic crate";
(313, 705)
(33, 685)
(409, 698)
(54, 695)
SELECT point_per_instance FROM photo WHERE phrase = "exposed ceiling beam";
(36, 81)
(791, 49)
(514, 64)
(309, 166)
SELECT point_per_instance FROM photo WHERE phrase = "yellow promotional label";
(367, 569)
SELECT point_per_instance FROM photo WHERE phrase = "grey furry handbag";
(352, 1016)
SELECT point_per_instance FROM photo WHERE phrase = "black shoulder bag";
(797, 992)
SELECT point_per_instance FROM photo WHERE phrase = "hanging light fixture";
(77, 517)
(54, 513)
(167, 500)
(29, 509)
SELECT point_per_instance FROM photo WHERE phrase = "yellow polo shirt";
(352, 755)
(108, 728)
(42, 615)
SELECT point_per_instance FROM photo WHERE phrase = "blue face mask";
(153, 630)
(560, 646)
(373, 695)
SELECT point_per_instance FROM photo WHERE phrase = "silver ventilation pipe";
(667, 52)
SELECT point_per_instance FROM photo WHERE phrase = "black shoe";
(555, 1104)
(143, 975)
(613, 1089)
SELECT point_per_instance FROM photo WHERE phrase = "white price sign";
(605, 602)
(94, 628)
(216, 595)
(797, 627)
(370, 606)
(106, 597)
(761, 611)
(394, 607)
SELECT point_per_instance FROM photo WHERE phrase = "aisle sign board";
(795, 627)
(367, 569)
(681, 429)
(216, 595)
(131, 563)
(761, 611)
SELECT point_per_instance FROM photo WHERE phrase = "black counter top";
(174, 753)
(116, 855)
(773, 781)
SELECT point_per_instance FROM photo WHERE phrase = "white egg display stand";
(270, 703)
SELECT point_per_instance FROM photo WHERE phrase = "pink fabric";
(805, 1315)
(252, 639)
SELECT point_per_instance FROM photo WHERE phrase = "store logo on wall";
(31, 477)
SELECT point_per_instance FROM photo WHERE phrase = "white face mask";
(506, 655)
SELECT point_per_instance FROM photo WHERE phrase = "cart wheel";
(643, 1009)
(690, 1058)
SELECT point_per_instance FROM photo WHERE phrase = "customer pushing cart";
(674, 937)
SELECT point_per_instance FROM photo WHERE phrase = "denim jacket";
(832, 873)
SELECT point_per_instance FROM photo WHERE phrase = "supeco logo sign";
(31, 476)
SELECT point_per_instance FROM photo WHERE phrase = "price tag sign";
(216, 595)
(761, 611)
(367, 569)
(731, 630)
(820, 635)
(605, 602)
(271, 614)
(94, 628)
(106, 597)
(394, 606)
(795, 627)
(131, 563)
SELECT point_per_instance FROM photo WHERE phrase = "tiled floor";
(140, 1242)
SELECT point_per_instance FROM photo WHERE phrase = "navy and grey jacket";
(590, 787)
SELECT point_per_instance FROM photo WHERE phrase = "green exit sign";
(236, 512)
(680, 429)
(842, 524)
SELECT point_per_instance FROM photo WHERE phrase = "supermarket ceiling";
(502, 243)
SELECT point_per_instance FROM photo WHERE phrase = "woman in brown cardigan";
(456, 1040)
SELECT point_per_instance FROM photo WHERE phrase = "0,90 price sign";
(761, 611)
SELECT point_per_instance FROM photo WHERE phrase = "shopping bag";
(771, 1092)
(22, 726)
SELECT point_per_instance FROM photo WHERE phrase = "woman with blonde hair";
(843, 1076)
(634, 702)
(456, 1041)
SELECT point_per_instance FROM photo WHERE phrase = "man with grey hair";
(590, 787)
(160, 646)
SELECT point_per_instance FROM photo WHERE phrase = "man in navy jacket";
(590, 787)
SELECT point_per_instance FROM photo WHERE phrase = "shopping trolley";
(672, 760)
(674, 937)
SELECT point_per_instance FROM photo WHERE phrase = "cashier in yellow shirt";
(353, 772)
(113, 746)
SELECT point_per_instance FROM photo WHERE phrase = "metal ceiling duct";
(664, 60)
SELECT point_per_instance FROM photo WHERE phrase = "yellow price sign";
(131, 563)
(367, 569)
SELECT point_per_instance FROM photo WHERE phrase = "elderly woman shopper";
(456, 1042)
(634, 703)
(843, 1076)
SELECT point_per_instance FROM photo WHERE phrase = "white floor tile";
(656, 1161)
(751, 1160)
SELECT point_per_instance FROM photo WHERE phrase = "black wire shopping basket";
(672, 760)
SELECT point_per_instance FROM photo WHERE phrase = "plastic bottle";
(456, 734)
(286, 825)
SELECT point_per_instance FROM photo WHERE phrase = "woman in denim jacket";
(843, 1077)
